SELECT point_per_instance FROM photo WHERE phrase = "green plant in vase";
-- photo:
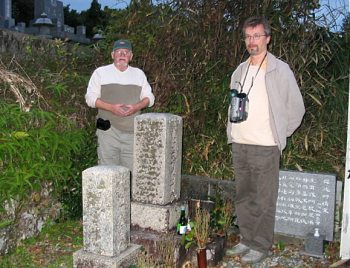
(198, 231)
(188, 239)
(201, 227)
(198, 235)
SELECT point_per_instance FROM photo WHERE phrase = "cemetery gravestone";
(305, 201)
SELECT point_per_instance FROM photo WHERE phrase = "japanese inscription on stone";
(305, 201)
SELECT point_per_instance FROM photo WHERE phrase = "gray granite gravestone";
(157, 158)
(106, 219)
(156, 178)
(305, 201)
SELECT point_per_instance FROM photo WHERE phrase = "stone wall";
(26, 218)
(16, 43)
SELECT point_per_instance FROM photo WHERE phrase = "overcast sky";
(80, 5)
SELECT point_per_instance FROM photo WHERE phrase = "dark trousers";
(256, 170)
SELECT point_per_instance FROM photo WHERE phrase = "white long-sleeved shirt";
(109, 74)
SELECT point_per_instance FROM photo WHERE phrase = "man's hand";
(130, 109)
(122, 109)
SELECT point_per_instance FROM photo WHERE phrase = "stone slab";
(84, 259)
(306, 201)
(155, 217)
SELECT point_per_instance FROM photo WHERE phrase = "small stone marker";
(106, 218)
(314, 244)
(306, 201)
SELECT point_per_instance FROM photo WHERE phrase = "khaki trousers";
(115, 147)
(256, 170)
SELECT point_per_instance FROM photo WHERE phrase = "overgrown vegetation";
(45, 135)
(188, 50)
(36, 146)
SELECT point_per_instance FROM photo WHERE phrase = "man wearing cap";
(119, 92)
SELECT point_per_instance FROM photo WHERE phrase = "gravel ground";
(288, 257)
(286, 252)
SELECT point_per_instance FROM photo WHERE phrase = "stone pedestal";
(83, 259)
(156, 176)
(155, 217)
(106, 218)
(314, 246)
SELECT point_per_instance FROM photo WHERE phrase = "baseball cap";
(122, 43)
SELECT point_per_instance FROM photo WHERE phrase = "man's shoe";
(237, 250)
(253, 256)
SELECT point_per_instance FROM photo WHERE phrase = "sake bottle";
(182, 223)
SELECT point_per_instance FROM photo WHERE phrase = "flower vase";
(202, 258)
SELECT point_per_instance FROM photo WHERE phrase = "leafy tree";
(72, 17)
(23, 10)
(93, 18)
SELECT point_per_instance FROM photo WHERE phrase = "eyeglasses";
(255, 37)
(122, 53)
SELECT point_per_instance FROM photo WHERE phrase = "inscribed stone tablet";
(305, 201)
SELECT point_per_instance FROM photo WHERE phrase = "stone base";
(84, 259)
(312, 254)
(314, 246)
(159, 218)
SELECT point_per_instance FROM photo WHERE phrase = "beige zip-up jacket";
(286, 104)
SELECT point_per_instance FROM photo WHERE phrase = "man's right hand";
(119, 109)
(115, 108)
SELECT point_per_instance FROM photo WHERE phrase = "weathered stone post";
(106, 219)
(156, 178)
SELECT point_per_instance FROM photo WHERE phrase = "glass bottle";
(182, 223)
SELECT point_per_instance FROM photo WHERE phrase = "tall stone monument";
(156, 178)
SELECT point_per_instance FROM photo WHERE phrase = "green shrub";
(37, 147)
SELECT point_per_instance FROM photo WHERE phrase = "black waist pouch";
(103, 124)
